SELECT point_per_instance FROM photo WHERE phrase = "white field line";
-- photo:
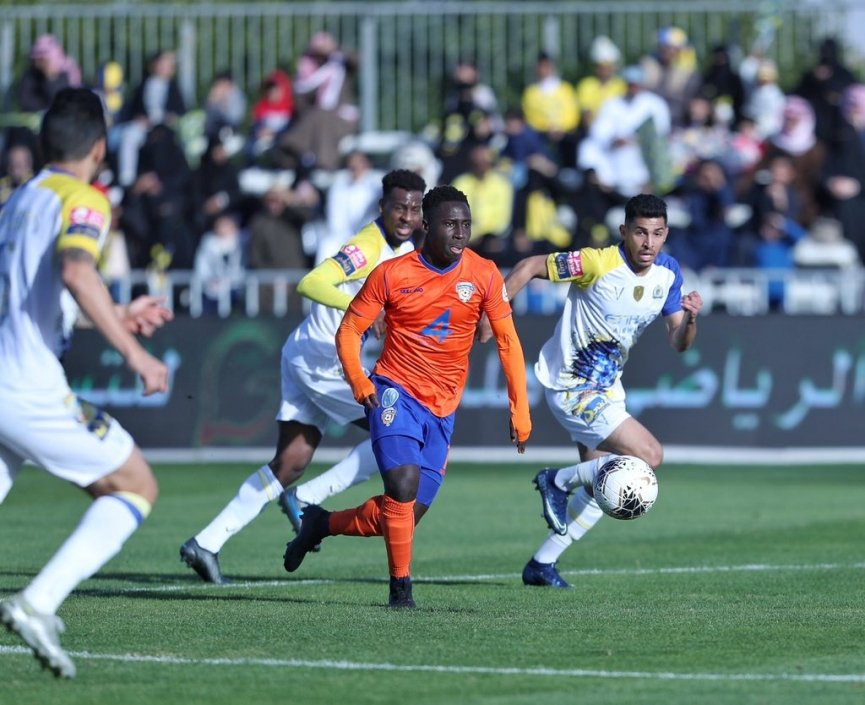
(329, 665)
(490, 577)
(477, 670)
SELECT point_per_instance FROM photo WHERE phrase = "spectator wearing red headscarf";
(271, 113)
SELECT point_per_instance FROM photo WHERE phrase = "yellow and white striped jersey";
(607, 308)
(52, 212)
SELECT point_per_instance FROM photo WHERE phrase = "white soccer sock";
(99, 536)
(584, 513)
(359, 465)
(254, 495)
(580, 475)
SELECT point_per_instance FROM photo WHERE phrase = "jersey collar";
(57, 170)
(625, 258)
(431, 266)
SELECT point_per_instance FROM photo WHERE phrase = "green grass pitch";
(743, 585)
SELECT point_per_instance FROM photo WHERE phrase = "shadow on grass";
(188, 587)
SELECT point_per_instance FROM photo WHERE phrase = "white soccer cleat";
(41, 632)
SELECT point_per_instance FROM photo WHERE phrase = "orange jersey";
(431, 317)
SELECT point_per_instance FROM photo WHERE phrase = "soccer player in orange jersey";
(433, 300)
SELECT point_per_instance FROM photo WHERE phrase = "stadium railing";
(739, 292)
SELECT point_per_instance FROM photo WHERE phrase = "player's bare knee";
(133, 476)
(654, 455)
(288, 467)
(401, 483)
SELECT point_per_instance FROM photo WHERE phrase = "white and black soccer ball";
(626, 487)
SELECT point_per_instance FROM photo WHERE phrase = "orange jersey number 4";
(439, 328)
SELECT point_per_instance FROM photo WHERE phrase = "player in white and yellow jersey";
(314, 390)
(51, 233)
(615, 292)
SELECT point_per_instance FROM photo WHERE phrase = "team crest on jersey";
(638, 292)
(658, 293)
(97, 421)
(389, 397)
(465, 291)
(388, 415)
(350, 258)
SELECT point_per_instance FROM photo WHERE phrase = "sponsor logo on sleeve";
(568, 265)
(85, 221)
(86, 216)
(505, 293)
(350, 258)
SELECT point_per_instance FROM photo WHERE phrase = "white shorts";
(589, 415)
(314, 398)
(62, 434)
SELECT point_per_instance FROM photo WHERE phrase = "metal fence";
(406, 49)
(736, 292)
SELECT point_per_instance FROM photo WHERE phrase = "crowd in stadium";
(755, 176)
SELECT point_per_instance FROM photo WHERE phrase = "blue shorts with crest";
(404, 432)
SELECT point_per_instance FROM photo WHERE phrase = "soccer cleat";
(400, 593)
(289, 506)
(543, 575)
(203, 562)
(40, 632)
(554, 500)
(312, 530)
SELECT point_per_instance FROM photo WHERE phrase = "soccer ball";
(625, 487)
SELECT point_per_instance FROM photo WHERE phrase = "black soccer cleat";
(400, 593)
(203, 562)
(290, 506)
(553, 499)
(543, 575)
(312, 530)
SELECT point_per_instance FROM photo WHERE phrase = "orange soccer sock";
(397, 526)
(364, 520)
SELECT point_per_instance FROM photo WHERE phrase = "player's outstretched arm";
(534, 267)
(682, 325)
(524, 271)
(80, 276)
(321, 284)
(348, 341)
(514, 366)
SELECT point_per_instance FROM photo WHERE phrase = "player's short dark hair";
(73, 123)
(441, 194)
(645, 205)
(404, 179)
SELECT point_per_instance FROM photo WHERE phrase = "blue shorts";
(404, 432)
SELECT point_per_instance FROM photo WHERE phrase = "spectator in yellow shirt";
(550, 107)
(604, 83)
(491, 197)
